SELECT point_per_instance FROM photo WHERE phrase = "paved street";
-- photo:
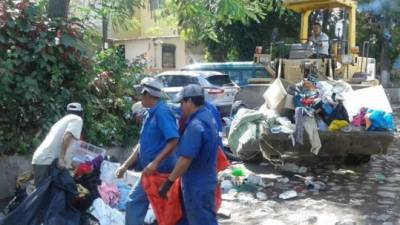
(370, 195)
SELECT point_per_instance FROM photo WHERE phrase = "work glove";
(165, 188)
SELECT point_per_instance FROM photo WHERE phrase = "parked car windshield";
(177, 80)
(220, 80)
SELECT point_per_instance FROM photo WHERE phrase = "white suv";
(218, 87)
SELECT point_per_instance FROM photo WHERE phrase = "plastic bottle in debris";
(288, 195)
(310, 184)
(237, 173)
(380, 177)
(226, 185)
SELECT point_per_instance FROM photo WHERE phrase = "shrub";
(108, 107)
(43, 66)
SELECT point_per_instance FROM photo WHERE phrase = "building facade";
(156, 40)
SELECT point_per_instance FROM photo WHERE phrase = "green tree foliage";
(237, 41)
(231, 29)
(199, 19)
(378, 20)
(117, 12)
(108, 105)
(42, 68)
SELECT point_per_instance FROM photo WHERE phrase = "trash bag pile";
(87, 194)
(310, 106)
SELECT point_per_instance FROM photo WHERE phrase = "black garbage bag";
(19, 197)
(49, 204)
(90, 182)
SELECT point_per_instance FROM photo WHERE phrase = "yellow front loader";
(346, 60)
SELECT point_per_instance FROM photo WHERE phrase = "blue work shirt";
(199, 142)
(214, 111)
(158, 128)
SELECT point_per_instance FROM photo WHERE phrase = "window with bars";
(168, 56)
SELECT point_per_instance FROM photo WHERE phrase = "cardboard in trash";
(372, 98)
(276, 96)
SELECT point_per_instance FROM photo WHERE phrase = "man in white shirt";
(57, 141)
(320, 42)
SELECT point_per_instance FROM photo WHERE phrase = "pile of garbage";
(310, 107)
(88, 193)
(250, 188)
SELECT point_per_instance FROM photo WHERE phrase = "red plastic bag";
(222, 161)
(167, 211)
(218, 197)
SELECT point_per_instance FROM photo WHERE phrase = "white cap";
(74, 106)
(152, 86)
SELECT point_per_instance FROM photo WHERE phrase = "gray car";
(218, 87)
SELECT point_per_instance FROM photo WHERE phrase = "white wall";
(137, 47)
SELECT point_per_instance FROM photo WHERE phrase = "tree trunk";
(385, 64)
(58, 8)
(105, 32)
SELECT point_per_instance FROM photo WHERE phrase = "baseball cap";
(191, 90)
(151, 86)
(74, 106)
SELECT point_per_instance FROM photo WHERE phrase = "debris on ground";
(380, 177)
(293, 168)
(283, 180)
(224, 213)
(288, 195)
(261, 196)
(255, 180)
(226, 185)
(343, 172)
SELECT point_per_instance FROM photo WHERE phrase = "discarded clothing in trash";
(379, 120)
(124, 191)
(305, 120)
(107, 172)
(310, 126)
(300, 113)
(337, 125)
(49, 204)
(105, 214)
(96, 162)
(167, 211)
(90, 182)
(84, 168)
(109, 193)
(359, 119)
(338, 113)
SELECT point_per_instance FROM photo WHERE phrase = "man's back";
(50, 148)
(200, 141)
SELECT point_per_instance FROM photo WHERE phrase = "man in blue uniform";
(197, 152)
(158, 138)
